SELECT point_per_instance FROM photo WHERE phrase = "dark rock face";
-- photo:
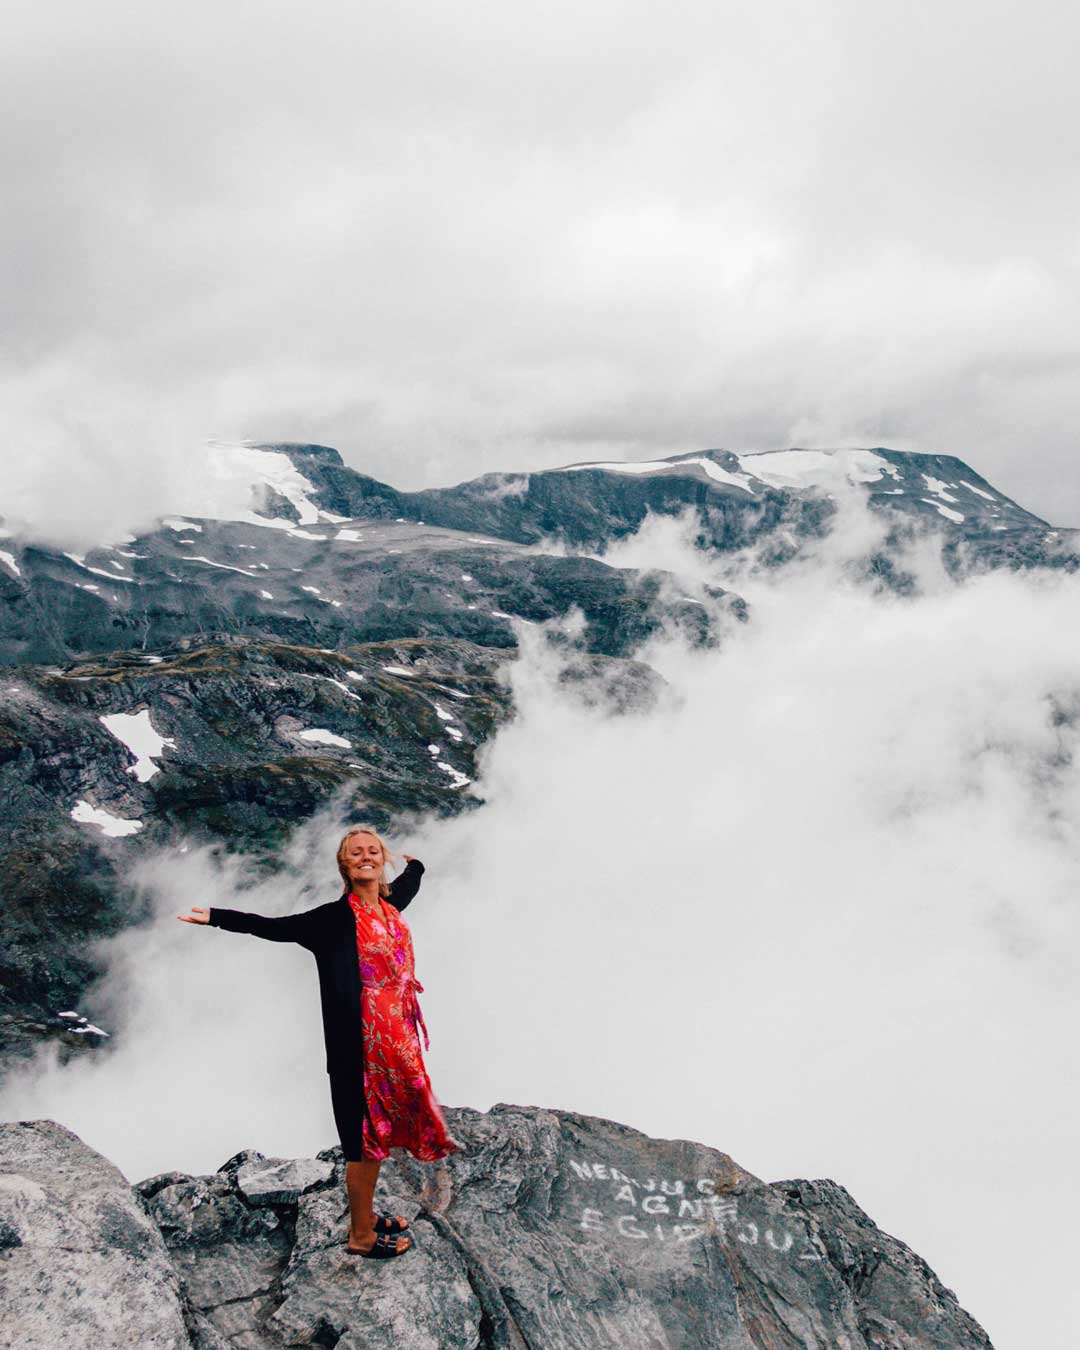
(357, 561)
(739, 499)
(547, 1230)
(382, 582)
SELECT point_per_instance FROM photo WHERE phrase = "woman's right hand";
(196, 916)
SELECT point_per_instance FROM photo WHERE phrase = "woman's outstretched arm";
(404, 887)
(301, 928)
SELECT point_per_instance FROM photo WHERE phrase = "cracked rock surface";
(549, 1230)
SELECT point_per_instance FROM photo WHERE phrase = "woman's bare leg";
(360, 1179)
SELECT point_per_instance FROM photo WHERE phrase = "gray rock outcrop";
(548, 1230)
(81, 1262)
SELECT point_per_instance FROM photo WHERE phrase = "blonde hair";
(384, 887)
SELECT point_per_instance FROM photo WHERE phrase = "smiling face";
(362, 856)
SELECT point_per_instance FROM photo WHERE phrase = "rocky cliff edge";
(548, 1230)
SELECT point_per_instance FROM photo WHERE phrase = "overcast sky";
(455, 238)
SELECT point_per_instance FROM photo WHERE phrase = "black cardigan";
(329, 932)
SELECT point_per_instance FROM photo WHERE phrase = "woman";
(379, 1088)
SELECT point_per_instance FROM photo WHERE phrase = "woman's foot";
(365, 1241)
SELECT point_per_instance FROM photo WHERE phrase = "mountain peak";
(301, 453)
(945, 484)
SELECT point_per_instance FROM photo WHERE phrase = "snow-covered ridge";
(800, 470)
(236, 470)
(274, 470)
(806, 468)
(709, 466)
(286, 580)
(777, 468)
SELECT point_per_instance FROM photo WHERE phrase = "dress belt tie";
(412, 987)
(416, 987)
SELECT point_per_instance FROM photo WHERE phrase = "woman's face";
(363, 858)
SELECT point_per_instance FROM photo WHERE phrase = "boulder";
(280, 1181)
(81, 1263)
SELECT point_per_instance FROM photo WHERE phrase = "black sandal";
(385, 1247)
(388, 1223)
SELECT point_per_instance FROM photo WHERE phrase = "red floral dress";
(402, 1110)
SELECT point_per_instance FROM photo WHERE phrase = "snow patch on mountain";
(810, 468)
(710, 467)
(939, 488)
(272, 469)
(227, 567)
(136, 731)
(791, 469)
(234, 470)
(114, 826)
(340, 684)
(80, 560)
(946, 511)
(459, 779)
(320, 736)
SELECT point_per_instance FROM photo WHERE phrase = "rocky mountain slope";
(339, 643)
(547, 1231)
(333, 557)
